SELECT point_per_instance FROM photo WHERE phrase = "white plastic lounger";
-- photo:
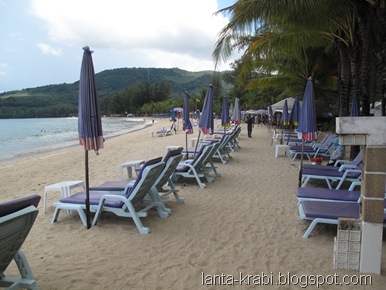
(121, 204)
(16, 220)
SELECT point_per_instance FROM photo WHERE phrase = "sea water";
(22, 137)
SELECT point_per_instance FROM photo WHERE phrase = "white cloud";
(47, 49)
(168, 31)
(3, 69)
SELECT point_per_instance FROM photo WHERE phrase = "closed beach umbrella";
(307, 129)
(206, 123)
(270, 114)
(355, 106)
(236, 118)
(284, 120)
(225, 122)
(187, 126)
(285, 116)
(295, 112)
(172, 115)
(89, 117)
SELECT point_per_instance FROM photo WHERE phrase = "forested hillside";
(61, 100)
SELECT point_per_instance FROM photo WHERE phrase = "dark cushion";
(15, 205)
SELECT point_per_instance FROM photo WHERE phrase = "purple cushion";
(80, 197)
(95, 196)
(328, 173)
(112, 185)
(326, 193)
(15, 205)
(330, 210)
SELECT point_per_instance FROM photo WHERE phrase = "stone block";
(349, 224)
(353, 266)
(355, 236)
(341, 246)
(374, 159)
(373, 185)
(372, 210)
(353, 257)
(354, 247)
(343, 235)
(341, 256)
(341, 265)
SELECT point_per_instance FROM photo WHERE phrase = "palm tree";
(275, 37)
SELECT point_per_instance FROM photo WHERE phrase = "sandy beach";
(244, 225)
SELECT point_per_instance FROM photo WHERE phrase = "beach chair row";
(155, 181)
(328, 205)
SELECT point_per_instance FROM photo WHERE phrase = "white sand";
(244, 223)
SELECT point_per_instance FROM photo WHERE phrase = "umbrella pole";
(186, 144)
(87, 190)
(198, 140)
(301, 165)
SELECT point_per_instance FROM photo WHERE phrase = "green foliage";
(121, 91)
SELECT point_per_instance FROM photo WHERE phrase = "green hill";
(61, 100)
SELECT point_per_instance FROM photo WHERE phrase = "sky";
(42, 40)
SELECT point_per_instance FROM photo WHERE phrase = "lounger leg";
(25, 272)
(55, 216)
(175, 192)
(143, 230)
(316, 221)
(162, 210)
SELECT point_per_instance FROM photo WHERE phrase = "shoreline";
(35, 153)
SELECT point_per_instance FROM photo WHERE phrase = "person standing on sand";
(250, 126)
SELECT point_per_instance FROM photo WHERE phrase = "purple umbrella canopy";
(355, 106)
(307, 129)
(225, 121)
(285, 116)
(206, 123)
(187, 126)
(236, 117)
(89, 117)
(295, 112)
(89, 121)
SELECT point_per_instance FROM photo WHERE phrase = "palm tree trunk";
(344, 79)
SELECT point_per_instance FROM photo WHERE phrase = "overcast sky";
(42, 40)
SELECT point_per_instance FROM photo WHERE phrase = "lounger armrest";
(346, 167)
(340, 161)
(354, 184)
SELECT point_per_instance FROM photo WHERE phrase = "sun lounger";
(327, 212)
(322, 149)
(171, 159)
(121, 204)
(16, 220)
(195, 168)
(329, 176)
(326, 194)
(341, 165)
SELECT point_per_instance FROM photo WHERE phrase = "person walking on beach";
(250, 126)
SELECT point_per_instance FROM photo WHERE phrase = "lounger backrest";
(16, 221)
(174, 157)
(172, 152)
(146, 179)
(357, 160)
(197, 160)
(18, 204)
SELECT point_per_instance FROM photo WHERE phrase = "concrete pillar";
(372, 208)
(370, 132)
